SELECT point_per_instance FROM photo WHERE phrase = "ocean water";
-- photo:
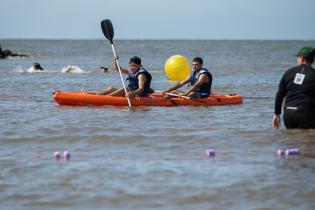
(152, 157)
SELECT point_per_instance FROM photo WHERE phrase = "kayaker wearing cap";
(139, 80)
(200, 80)
(297, 86)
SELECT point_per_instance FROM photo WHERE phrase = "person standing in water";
(297, 86)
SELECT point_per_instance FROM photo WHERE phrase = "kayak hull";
(91, 99)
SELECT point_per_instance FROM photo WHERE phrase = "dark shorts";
(202, 94)
(299, 119)
(145, 92)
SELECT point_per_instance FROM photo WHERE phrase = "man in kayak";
(139, 80)
(200, 80)
(297, 86)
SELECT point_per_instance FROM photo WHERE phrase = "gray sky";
(159, 19)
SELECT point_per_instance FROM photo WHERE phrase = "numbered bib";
(299, 78)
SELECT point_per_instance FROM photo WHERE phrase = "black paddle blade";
(108, 29)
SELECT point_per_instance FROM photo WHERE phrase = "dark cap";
(306, 52)
(136, 60)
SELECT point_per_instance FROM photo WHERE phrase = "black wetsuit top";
(297, 86)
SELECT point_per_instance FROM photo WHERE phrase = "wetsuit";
(205, 89)
(134, 81)
(298, 87)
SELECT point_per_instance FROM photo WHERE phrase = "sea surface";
(151, 157)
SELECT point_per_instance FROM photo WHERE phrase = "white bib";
(298, 79)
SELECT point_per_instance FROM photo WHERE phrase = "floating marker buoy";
(66, 155)
(210, 153)
(292, 151)
(279, 152)
(287, 152)
(56, 155)
(177, 68)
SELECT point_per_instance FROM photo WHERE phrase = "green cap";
(307, 52)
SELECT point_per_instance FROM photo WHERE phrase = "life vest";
(133, 81)
(204, 88)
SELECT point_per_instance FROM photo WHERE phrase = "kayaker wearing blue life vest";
(139, 80)
(200, 80)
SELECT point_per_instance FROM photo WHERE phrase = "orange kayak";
(91, 99)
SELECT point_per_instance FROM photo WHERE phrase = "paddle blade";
(108, 29)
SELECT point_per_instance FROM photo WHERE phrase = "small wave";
(33, 70)
(72, 69)
(19, 69)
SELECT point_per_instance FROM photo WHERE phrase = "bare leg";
(119, 92)
(107, 91)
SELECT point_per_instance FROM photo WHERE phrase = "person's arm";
(282, 92)
(202, 79)
(141, 83)
(276, 121)
(178, 85)
(123, 70)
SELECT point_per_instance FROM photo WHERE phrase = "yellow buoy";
(177, 68)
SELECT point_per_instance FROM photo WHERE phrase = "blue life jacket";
(205, 89)
(134, 82)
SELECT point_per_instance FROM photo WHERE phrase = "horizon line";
(147, 39)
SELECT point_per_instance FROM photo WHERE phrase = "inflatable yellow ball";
(177, 68)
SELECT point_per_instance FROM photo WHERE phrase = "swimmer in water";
(7, 53)
(37, 66)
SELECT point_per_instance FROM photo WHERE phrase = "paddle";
(185, 97)
(108, 32)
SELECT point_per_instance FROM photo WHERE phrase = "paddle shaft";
(108, 31)
(185, 97)
(172, 94)
(121, 77)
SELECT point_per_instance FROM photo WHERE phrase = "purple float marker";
(56, 155)
(280, 152)
(210, 153)
(292, 151)
(66, 155)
